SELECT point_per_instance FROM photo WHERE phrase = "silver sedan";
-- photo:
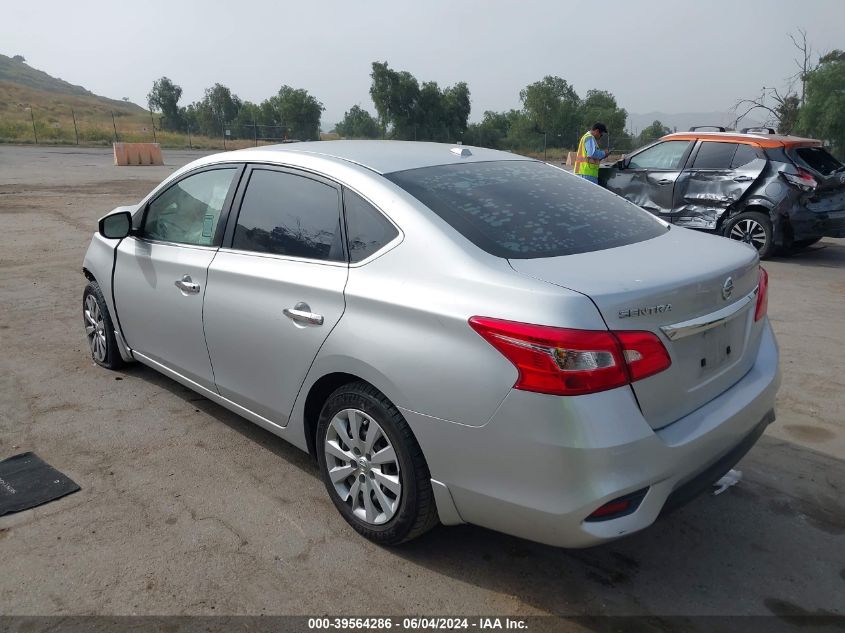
(455, 334)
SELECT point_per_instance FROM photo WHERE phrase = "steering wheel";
(165, 228)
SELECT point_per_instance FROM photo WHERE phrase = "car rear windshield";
(818, 158)
(527, 209)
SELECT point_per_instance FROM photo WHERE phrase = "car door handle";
(187, 285)
(743, 178)
(301, 313)
(665, 181)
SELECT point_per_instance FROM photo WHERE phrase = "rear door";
(160, 273)
(275, 289)
(719, 175)
(648, 177)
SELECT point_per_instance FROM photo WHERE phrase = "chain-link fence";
(59, 125)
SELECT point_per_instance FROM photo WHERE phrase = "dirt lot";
(187, 509)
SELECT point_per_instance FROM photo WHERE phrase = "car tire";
(752, 228)
(99, 330)
(379, 483)
(798, 244)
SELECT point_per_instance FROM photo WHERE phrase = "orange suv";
(755, 186)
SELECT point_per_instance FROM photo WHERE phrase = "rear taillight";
(762, 295)
(803, 180)
(567, 362)
(644, 354)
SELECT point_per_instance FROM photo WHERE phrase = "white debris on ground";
(731, 478)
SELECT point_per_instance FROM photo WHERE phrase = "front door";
(648, 177)
(275, 289)
(161, 273)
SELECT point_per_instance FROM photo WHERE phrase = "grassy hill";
(30, 95)
(18, 72)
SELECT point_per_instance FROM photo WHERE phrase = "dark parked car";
(768, 190)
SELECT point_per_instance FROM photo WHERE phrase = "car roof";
(763, 140)
(382, 157)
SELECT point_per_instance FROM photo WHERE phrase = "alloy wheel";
(95, 329)
(363, 466)
(749, 231)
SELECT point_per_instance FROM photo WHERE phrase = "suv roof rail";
(767, 130)
(698, 127)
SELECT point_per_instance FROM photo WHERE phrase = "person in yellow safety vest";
(588, 156)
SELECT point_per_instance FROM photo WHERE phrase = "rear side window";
(367, 229)
(287, 214)
(819, 159)
(527, 209)
(714, 155)
(744, 155)
(665, 155)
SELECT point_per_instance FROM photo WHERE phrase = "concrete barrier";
(137, 154)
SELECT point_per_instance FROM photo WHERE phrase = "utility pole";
(75, 129)
(116, 137)
(153, 123)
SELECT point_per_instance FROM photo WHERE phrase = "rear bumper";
(543, 464)
(808, 224)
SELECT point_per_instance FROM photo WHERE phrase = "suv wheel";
(752, 228)
(372, 466)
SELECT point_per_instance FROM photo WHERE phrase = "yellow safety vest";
(583, 166)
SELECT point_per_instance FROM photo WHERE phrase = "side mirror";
(622, 163)
(116, 226)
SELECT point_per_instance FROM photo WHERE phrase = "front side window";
(189, 211)
(713, 155)
(287, 214)
(665, 155)
(367, 228)
(527, 209)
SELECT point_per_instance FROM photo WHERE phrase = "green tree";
(456, 107)
(299, 112)
(164, 98)
(822, 114)
(787, 113)
(222, 104)
(395, 95)
(492, 129)
(407, 110)
(652, 133)
(552, 106)
(358, 123)
(600, 105)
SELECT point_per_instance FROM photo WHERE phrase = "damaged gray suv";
(771, 191)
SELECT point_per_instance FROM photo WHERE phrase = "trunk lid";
(676, 279)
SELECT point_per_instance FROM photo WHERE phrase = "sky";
(653, 55)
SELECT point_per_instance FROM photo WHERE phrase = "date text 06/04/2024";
(416, 623)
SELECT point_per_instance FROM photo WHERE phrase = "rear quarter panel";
(405, 328)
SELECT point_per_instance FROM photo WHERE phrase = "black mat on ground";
(26, 481)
